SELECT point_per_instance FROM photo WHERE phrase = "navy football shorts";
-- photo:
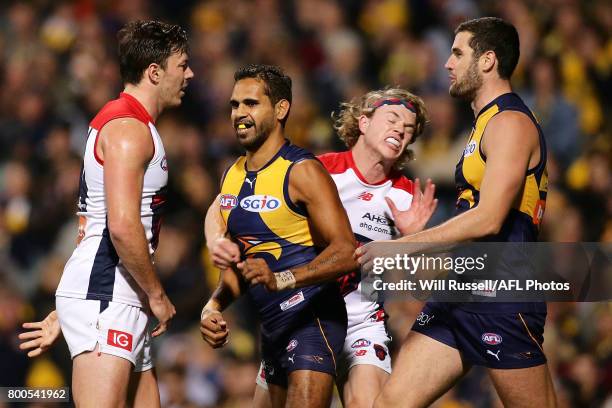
(495, 340)
(312, 343)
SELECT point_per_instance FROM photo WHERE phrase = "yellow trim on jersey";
(473, 169)
(232, 183)
(473, 163)
(282, 222)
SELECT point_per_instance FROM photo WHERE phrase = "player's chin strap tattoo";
(284, 280)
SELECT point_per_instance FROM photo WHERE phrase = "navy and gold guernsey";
(265, 222)
(500, 335)
(523, 220)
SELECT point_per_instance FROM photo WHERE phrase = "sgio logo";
(469, 149)
(260, 203)
(119, 339)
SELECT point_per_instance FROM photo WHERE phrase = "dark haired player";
(502, 185)
(109, 282)
(282, 208)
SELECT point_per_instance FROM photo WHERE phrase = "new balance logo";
(365, 196)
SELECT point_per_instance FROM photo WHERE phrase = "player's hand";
(365, 254)
(224, 252)
(163, 310)
(42, 336)
(213, 328)
(423, 205)
(256, 270)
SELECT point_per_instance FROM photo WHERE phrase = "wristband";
(284, 280)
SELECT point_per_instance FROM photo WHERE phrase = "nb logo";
(365, 196)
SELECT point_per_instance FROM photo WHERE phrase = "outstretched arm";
(511, 142)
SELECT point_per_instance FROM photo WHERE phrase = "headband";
(394, 101)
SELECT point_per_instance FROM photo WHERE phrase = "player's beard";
(471, 83)
(263, 130)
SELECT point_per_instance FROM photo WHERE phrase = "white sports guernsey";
(371, 220)
(94, 271)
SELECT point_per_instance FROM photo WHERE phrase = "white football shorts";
(120, 329)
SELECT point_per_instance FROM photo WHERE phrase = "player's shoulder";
(336, 162)
(123, 107)
(401, 182)
(512, 123)
(294, 153)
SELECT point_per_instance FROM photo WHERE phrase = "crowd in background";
(58, 67)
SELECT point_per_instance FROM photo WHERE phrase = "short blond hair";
(346, 122)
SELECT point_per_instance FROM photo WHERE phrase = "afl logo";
(228, 202)
(292, 345)
(492, 339)
(164, 164)
(260, 203)
(469, 149)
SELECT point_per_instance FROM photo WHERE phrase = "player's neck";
(147, 99)
(489, 90)
(256, 159)
(369, 163)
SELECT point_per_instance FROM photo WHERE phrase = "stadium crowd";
(58, 67)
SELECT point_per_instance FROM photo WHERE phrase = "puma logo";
(248, 180)
(496, 355)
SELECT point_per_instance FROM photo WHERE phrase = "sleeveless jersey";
(523, 220)
(94, 271)
(265, 222)
(370, 218)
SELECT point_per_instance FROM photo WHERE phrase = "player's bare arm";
(213, 327)
(312, 186)
(511, 147)
(223, 251)
(126, 148)
(225, 255)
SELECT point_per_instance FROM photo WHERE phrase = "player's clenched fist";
(224, 252)
(213, 328)
(256, 270)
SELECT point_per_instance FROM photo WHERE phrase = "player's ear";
(153, 73)
(487, 61)
(282, 109)
(364, 123)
